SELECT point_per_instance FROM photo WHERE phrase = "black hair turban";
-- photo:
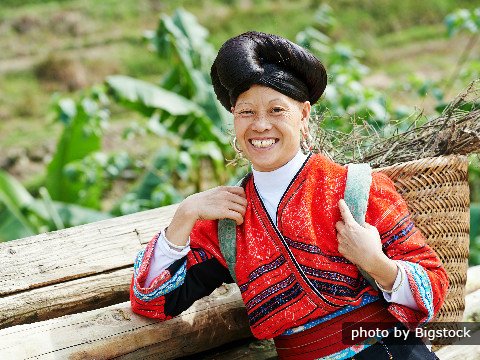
(269, 60)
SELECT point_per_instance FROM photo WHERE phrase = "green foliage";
(463, 20)
(22, 215)
(474, 178)
(183, 110)
(345, 95)
(81, 136)
(16, 3)
(146, 98)
(474, 258)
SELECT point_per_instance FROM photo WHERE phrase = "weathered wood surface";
(456, 352)
(473, 279)
(471, 313)
(85, 266)
(244, 349)
(472, 306)
(65, 298)
(77, 252)
(116, 332)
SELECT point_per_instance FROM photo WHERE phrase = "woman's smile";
(263, 143)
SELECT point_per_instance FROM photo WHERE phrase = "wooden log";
(78, 252)
(471, 313)
(70, 297)
(472, 307)
(454, 352)
(75, 269)
(116, 332)
(473, 279)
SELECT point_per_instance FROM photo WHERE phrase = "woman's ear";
(306, 108)
(232, 109)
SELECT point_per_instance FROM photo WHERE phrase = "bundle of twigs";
(455, 131)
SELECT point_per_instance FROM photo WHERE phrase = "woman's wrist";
(181, 225)
(384, 271)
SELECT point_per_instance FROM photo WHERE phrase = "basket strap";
(357, 191)
(227, 237)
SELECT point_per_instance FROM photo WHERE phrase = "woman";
(298, 248)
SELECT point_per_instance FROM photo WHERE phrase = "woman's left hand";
(359, 244)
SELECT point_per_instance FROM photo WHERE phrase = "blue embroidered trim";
(366, 299)
(401, 234)
(262, 270)
(332, 275)
(424, 286)
(272, 289)
(274, 303)
(138, 262)
(337, 289)
(174, 282)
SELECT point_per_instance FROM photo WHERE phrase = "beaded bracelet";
(397, 287)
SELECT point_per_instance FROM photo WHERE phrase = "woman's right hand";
(222, 202)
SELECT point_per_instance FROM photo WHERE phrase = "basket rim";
(430, 161)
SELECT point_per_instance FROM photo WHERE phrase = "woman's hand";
(223, 202)
(362, 246)
(359, 244)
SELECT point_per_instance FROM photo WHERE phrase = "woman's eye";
(246, 112)
(277, 109)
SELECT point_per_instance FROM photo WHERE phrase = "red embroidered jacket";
(292, 273)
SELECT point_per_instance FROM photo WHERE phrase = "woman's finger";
(345, 212)
(237, 207)
(340, 226)
(235, 190)
(237, 199)
(235, 216)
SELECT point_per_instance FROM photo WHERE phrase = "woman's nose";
(261, 123)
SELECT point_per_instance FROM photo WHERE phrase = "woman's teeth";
(263, 143)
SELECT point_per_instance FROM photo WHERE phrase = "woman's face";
(268, 125)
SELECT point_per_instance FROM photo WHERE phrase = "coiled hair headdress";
(269, 60)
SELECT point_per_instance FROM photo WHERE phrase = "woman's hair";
(269, 60)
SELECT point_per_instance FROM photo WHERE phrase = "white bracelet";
(397, 287)
(172, 245)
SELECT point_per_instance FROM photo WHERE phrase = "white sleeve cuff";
(164, 254)
(403, 294)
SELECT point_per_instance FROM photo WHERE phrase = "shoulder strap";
(357, 191)
(227, 237)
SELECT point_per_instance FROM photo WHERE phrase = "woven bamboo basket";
(437, 193)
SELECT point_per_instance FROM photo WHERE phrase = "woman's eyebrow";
(277, 99)
(244, 103)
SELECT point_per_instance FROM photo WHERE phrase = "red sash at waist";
(326, 338)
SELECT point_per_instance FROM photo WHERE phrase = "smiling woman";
(301, 260)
